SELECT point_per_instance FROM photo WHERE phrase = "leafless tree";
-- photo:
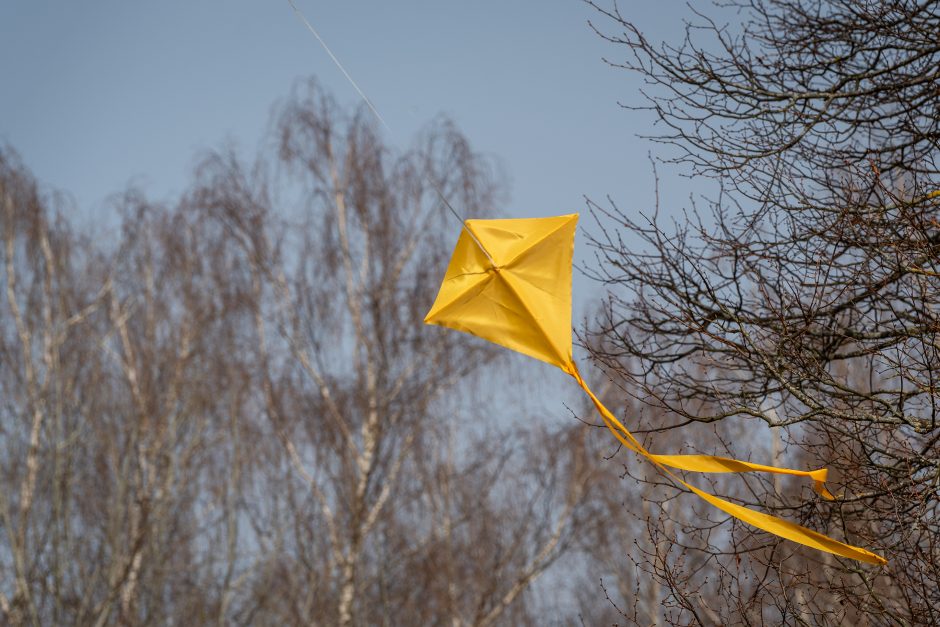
(107, 417)
(800, 299)
(373, 473)
(233, 413)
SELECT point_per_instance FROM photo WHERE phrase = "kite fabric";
(509, 282)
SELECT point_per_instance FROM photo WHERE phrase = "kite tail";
(708, 463)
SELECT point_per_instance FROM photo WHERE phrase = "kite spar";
(509, 282)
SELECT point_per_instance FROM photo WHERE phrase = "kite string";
(375, 111)
(339, 65)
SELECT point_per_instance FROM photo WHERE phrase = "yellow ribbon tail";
(712, 464)
(786, 529)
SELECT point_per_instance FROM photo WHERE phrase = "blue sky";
(100, 94)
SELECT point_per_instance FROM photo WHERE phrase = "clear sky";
(98, 94)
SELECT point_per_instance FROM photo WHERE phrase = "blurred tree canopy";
(230, 412)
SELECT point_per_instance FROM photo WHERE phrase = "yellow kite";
(509, 282)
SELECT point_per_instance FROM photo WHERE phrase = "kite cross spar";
(509, 282)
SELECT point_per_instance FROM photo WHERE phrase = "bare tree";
(346, 305)
(803, 299)
(109, 425)
(234, 414)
